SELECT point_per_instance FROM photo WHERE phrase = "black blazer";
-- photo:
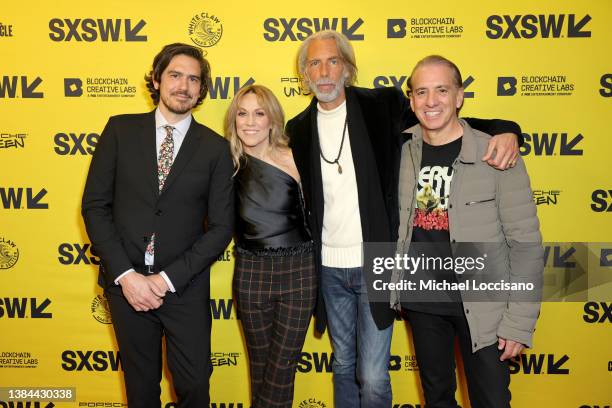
(192, 217)
(376, 119)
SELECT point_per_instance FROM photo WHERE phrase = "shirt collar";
(182, 126)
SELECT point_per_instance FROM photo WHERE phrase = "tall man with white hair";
(347, 146)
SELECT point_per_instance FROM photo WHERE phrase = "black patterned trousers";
(275, 296)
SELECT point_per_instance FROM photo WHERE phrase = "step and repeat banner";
(66, 66)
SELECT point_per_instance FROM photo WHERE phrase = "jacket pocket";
(480, 201)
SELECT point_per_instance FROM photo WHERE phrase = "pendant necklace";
(339, 151)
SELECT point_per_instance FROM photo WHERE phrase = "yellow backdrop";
(66, 66)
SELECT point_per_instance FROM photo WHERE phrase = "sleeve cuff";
(168, 281)
(122, 275)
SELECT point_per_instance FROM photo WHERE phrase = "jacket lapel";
(185, 154)
(315, 163)
(148, 151)
(361, 149)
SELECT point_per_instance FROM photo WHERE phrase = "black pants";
(185, 322)
(488, 378)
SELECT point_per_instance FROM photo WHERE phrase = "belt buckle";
(149, 269)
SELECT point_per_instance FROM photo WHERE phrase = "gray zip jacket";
(485, 205)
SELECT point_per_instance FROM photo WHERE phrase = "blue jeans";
(361, 350)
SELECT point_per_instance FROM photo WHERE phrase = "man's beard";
(327, 96)
(177, 107)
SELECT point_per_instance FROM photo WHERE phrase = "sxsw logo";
(597, 312)
(90, 30)
(18, 308)
(75, 254)
(319, 362)
(539, 364)
(9, 85)
(606, 85)
(222, 309)
(91, 360)
(29, 404)
(543, 25)
(400, 82)
(561, 258)
(220, 87)
(298, 29)
(551, 144)
(72, 144)
(601, 200)
(14, 198)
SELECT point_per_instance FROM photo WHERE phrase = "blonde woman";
(274, 276)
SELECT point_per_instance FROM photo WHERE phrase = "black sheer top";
(270, 208)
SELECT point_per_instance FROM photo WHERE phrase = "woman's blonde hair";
(270, 105)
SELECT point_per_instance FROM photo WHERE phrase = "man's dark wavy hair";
(161, 61)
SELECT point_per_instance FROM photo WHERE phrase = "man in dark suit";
(347, 147)
(158, 208)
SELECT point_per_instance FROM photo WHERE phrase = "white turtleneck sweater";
(341, 235)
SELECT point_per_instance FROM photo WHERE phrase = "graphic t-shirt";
(431, 221)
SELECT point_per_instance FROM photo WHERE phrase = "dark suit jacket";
(192, 217)
(376, 118)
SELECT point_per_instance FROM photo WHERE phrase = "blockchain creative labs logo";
(205, 30)
(403, 363)
(99, 87)
(12, 140)
(100, 310)
(535, 85)
(424, 27)
(9, 253)
(18, 359)
(6, 30)
(313, 403)
(546, 197)
(228, 359)
(293, 86)
(410, 363)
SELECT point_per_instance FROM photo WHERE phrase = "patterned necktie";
(164, 163)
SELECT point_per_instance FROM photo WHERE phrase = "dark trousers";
(185, 322)
(275, 298)
(488, 378)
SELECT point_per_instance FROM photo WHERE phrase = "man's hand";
(158, 285)
(503, 151)
(140, 292)
(511, 348)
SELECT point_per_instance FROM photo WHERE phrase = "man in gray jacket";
(448, 196)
